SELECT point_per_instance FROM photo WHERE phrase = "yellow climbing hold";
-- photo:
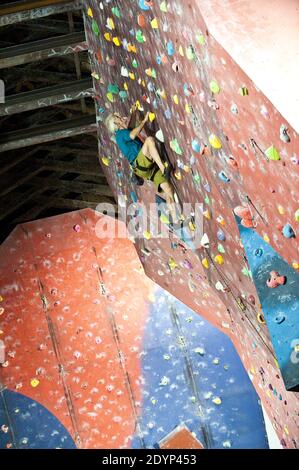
(295, 265)
(205, 263)
(243, 91)
(286, 430)
(107, 36)
(132, 48)
(175, 99)
(192, 226)
(178, 175)
(106, 161)
(147, 235)
(188, 108)
(152, 117)
(1, 298)
(164, 219)
(181, 51)
(110, 97)
(207, 214)
(280, 209)
(260, 318)
(214, 87)
(266, 238)
(172, 264)
(34, 383)
(186, 168)
(219, 259)
(154, 23)
(138, 105)
(89, 12)
(217, 401)
(132, 75)
(116, 41)
(272, 153)
(110, 23)
(126, 86)
(215, 142)
(220, 220)
(95, 75)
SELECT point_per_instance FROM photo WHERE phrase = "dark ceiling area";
(48, 144)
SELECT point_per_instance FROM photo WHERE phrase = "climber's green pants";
(148, 170)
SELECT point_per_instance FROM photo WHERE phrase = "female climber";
(143, 157)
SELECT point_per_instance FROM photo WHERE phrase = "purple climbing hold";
(221, 235)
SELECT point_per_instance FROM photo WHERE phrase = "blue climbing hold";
(133, 196)
(279, 318)
(170, 48)
(288, 232)
(223, 177)
(258, 252)
(195, 145)
(143, 5)
(159, 60)
(167, 113)
(221, 235)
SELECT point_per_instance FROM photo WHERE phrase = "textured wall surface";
(99, 356)
(164, 56)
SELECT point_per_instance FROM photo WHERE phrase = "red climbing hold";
(276, 280)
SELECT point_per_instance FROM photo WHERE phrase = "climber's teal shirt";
(129, 147)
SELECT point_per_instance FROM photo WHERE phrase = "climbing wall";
(232, 150)
(97, 358)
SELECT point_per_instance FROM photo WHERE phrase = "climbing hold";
(206, 214)
(243, 91)
(1, 310)
(178, 175)
(151, 117)
(159, 135)
(201, 39)
(258, 252)
(110, 97)
(131, 75)
(260, 318)
(151, 73)
(110, 23)
(279, 318)
(221, 235)
(107, 36)
(116, 41)
(133, 196)
(220, 220)
(297, 215)
(295, 265)
(106, 161)
(181, 51)
(139, 36)
(205, 242)
(219, 259)
(275, 280)
(147, 235)
(288, 231)
(266, 238)
(154, 23)
(77, 229)
(217, 401)
(1, 298)
(280, 209)
(89, 12)
(205, 263)
(116, 12)
(95, 28)
(175, 99)
(134, 63)
(175, 67)
(123, 95)
(219, 286)
(113, 89)
(214, 87)
(283, 133)
(124, 72)
(141, 21)
(172, 264)
(220, 248)
(145, 4)
(190, 54)
(214, 141)
(272, 153)
(234, 108)
(174, 145)
(251, 299)
(223, 177)
(243, 212)
(170, 48)
(196, 145)
(34, 383)
(163, 7)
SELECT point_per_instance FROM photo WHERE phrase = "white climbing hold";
(159, 135)
(205, 242)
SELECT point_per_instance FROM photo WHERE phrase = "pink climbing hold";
(275, 280)
(77, 228)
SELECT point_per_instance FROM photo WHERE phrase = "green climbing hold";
(139, 36)
(190, 53)
(95, 28)
(272, 153)
(207, 200)
(163, 7)
(214, 87)
(113, 89)
(174, 145)
(116, 12)
(196, 178)
(134, 63)
(220, 248)
(297, 215)
(123, 95)
(201, 39)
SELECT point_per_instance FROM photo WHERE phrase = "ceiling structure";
(48, 145)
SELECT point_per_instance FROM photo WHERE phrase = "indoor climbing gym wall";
(234, 152)
(99, 359)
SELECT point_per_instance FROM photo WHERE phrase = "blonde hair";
(110, 124)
